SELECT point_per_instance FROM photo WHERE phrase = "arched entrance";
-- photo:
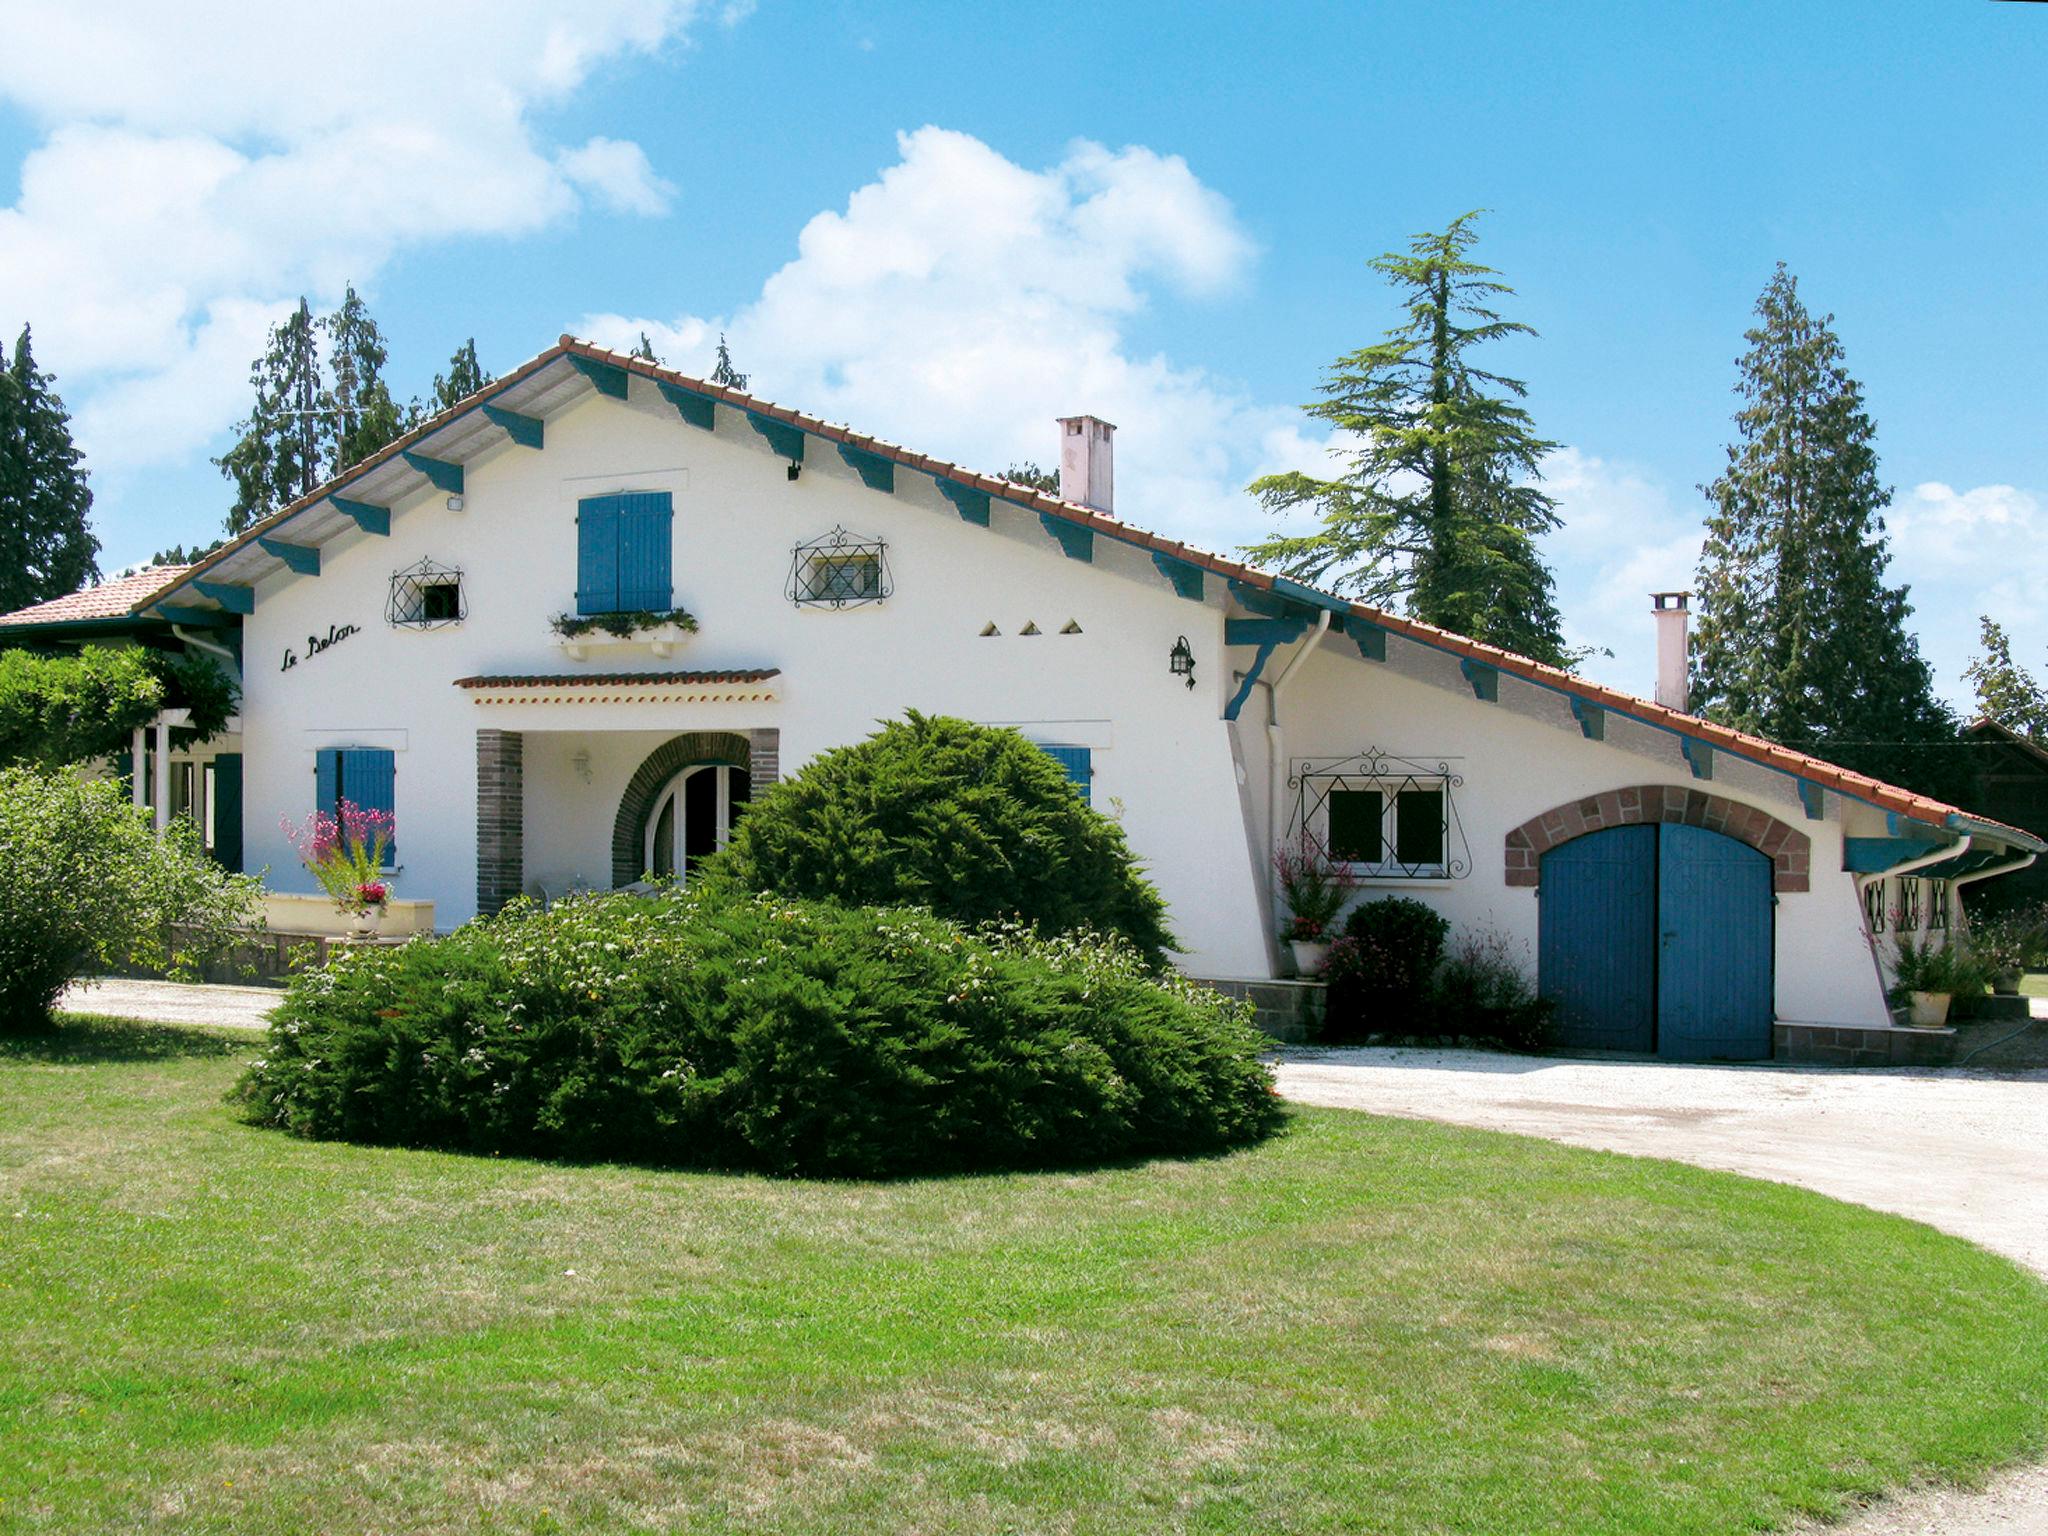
(680, 803)
(1659, 938)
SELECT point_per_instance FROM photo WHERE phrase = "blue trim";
(698, 410)
(1591, 717)
(185, 613)
(970, 503)
(446, 476)
(1875, 855)
(1266, 632)
(526, 431)
(609, 378)
(1077, 542)
(1699, 755)
(876, 472)
(1294, 591)
(1814, 798)
(1370, 638)
(1484, 678)
(782, 437)
(302, 558)
(1185, 575)
(370, 519)
(1259, 600)
(1244, 689)
(233, 598)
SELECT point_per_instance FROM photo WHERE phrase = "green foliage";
(2006, 691)
(644, 350)
(1312, 887)
(182, 554)
(722, 370)
(47, 548)
(623, 625)
(1483, 989)
(2015, 939)
(974, 823)
(1439, 507)
(86, 883)
(708, 1027)
(357, 414)
(1028, 474)
(464, 378)
(1380, 970)
(1800, 639)
(85, 704)
(1922, 965)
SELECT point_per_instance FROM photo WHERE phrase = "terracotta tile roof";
(618, 679)
(1887, 797)
(114, 599)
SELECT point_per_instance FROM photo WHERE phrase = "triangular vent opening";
(989, 629)
(1031, 629)
(1071, 627)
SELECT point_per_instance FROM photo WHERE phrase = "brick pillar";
(764, 758)
(500, 819)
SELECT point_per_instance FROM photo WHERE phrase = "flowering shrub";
(1483, 989)
(713, 1028)
(85, 882)
(1313, 888)
(1380, 970)
(346, 853)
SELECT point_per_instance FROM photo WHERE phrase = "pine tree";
(723, 372)
(1029, 474)
(644, 348)
(2006, 691)
(358, 415)
(1439, 507)
(1800, 638)
(464, 378)
(277, 455)
(47, 548)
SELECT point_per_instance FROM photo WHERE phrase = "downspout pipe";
(1276, 741)
(198, 644)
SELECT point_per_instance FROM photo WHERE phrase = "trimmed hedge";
(970, 821)
(716, 1029)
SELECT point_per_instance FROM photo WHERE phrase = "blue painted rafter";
(186, 613)
(609, 378)
(1076, 541)
(1814, 798)
(1262, 631)
(1699, 755)
(1185, 575)
(1874, 855)
(302, 558)
(1591, 717)
(236, 599)
(694, 408)
(445, 475)
(782, 437)
(1484, 678)
(876, 472)
(526, 431)
(369, 518)
(970, 503)
(1370, 638)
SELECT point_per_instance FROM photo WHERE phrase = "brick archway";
(1789, 850)
(734, 748)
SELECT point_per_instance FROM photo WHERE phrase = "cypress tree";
(2006, 691)
(47, 548)
(357, 414)
(1439, 509)
(1800, 638)
(464, 378)
(277, 455)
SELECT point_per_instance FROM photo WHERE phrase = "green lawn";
(1366, 1325)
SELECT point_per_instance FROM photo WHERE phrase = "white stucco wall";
(1162, 762)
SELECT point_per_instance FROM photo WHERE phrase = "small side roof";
(120, 598)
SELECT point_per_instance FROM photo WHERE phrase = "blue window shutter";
(646, 540)
(597, 554)
(1075, 760)
(227, 810)
(327, 781)
(368, 780)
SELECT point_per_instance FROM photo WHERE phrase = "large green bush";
(86, 882)
(84, 704)
(713, 1028)
(972, 822)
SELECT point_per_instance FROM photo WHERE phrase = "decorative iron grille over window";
(841, 570)
(426, 596)
(1873, 905)
(1906, 918)
(1937, 905)
(1386, 817)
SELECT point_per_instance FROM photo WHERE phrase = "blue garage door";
(1659, 939)
(1597, 952)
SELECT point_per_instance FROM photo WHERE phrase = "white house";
(1680, 886)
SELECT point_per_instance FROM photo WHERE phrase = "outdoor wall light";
(1181, 660)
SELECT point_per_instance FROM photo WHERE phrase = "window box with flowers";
(585, 634)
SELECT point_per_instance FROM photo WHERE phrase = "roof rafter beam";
(698, 410)
(445, 474)
(1076, 541)
(876, 472)
(526, 431)
(607, 378)
(1185, 575)
(969, 502)
(230, 595)
(1591, 717)
(304, 559)
(1370, 638)
(1699, 756)
(1484, 678)
(369, 518)
(781, 436)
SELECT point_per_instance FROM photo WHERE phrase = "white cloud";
(1978, 551)
(206, 160)
(960, 302)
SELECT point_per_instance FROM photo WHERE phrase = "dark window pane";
(1355, 832)
(441, 602)
(1419, 827)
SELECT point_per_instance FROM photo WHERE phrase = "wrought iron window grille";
(1937, 906)
(1384, 817)
(1906, 917)
(1873, 905)
(840, 570)
(426, 596)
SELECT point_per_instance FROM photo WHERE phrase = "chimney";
(1088, 462)
(1674, 619)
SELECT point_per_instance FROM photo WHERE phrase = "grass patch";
(1366, 1324)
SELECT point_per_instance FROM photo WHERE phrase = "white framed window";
(1384, 818)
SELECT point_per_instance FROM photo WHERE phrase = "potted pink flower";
(1314, 889)
(346, 855)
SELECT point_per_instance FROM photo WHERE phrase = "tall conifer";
(2006, 691)
(464, 378)
(47, 548)
(277, 455)
(358, 415)
(1800, 638)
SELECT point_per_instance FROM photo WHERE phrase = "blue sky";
(949, 223)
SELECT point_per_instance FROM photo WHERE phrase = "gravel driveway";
(1963, 1151)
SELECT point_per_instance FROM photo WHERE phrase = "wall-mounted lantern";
(1181, 660)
